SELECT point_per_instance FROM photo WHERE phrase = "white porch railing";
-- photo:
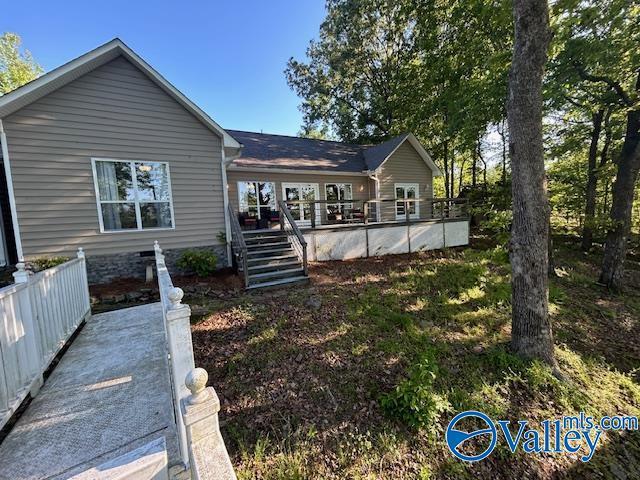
(196, 408)
(38, 314)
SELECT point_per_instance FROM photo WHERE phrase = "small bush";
(44, 263)
(204, 263)
(413, 401)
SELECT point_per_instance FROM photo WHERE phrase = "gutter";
(12, 197)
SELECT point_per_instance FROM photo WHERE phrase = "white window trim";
(342, 202)
(136, 201)
(316, 188)
(405, 185)
(275, 193)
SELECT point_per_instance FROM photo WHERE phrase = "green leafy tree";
(436, 68)
(597, 70)
(16, 67)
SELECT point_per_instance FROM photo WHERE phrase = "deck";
(109, 394)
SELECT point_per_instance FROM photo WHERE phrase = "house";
(105, 154)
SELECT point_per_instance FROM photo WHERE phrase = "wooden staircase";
(271, 260)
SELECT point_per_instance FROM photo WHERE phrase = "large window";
(257, 199)
(132, 195)
(338, 192)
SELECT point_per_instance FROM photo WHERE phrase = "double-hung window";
(338, 193)
(132, 195)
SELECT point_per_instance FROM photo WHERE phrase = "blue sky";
(227, 56)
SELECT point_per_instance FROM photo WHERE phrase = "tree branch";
(602, 79)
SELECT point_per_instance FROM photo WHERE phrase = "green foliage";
(414, 401)
(44, 262)
(203, 262)
(16, 67)
(380, 68)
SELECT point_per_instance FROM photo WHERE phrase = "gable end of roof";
(61, 76)
(376, 156)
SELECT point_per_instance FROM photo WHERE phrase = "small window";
(338, 192)
(132, 195)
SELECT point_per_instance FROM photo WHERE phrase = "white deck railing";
(38, 315)
(196, 408)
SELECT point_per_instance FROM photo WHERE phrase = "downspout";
(374, 176)
(225, 195)
(12, 198)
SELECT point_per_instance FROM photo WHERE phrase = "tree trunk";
(615, 249)
(452, 174)
(592, 181)
(474, 167)
(446, 169)
(503, 135)
(531, 334)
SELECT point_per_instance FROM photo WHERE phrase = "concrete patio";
(110, 394)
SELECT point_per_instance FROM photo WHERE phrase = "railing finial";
(175, 297)
(196, 382)
(156, 247)
(81, 252)
(21, 275)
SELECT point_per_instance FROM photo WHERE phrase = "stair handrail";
(290, 227)
(238, 245)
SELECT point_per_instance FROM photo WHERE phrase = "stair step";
(251, 254)
(272, 258)
(272, 233)
(273, 266)
(277, 273)
(261, 242)
(263, 232)
(279, 282)
(254, 246)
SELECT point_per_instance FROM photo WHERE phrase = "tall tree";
(383, 67)
(599, 60)
(592, 181)
(615, 249)
(531, 330)
(16, 67)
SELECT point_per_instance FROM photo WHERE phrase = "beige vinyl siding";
(362, 190)
(114, 112)
(404, 166)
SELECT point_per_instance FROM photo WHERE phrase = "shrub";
(44, 263)
(204, 263)
(413, 401)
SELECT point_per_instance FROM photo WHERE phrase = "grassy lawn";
(358, 374)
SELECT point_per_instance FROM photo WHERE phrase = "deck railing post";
(178, 327)
(313, 214)
(87, 297)
(365, 209)
(406, 211)
(208, 457)
(21, 275)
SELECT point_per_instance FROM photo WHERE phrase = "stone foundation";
(106, 268)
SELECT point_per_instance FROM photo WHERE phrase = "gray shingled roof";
(279, 151)
(261, 150)
(375, 155)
